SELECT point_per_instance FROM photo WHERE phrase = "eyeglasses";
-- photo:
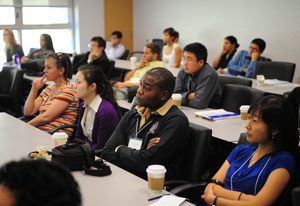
(254, 49)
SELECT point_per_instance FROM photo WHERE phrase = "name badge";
(135, 143)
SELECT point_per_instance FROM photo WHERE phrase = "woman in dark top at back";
(229, 48)
(39, 55)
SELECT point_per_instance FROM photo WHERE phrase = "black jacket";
(173, 130)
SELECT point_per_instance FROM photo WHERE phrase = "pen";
(154, 198)
(206, 118)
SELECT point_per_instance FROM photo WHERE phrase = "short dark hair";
(260, 43)
(277, 114)
(33, 182)
(62, 60)
(155, 49)
(198, 49)
(170, 31)
(233, 40)
(118, 34)
(165, 79)
(100, 40)
(48, 40)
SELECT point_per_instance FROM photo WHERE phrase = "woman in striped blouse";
(56, 104)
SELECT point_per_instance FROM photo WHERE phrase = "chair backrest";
(275, 70)
(11, 82)
(196, 155)
(224, 79)
(76, 61)
(236, 95)
(111, 68)
(296, 196)
(161, 44)
(125, 54)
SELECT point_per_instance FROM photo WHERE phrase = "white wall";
(209, 21)
(89, 22)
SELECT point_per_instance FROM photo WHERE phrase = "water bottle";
(17, 59)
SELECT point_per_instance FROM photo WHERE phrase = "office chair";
(275, 70)
(236, 95)
(110, 69)
(11, 90)
(161, 44)
(194, 168)
(76, 61)
(224, 79)
(125, 55)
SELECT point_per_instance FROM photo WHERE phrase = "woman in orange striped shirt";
(56, 104)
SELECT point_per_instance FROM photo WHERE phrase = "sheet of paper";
(169, 200)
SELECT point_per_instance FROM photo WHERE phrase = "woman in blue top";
(98, 113)
(257, 174)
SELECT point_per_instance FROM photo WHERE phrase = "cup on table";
(59, 138)
(244, 112)
(177, 99)
(156, 178)
(133, 61)
(260, 80)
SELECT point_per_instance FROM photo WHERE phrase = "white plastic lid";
(60, 135)
(244, 108)
(156, 169)
(176, 96)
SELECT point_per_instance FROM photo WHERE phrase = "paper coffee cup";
(260, 80)
(133, 61)
(156, 178)
(177, 99)
(59, 138)
(244, 112)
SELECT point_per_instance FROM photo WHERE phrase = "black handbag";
(77, 155)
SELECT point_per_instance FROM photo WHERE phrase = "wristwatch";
(216, 181)
(215, 201)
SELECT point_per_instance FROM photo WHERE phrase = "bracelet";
(215, 201)
(216, 181)
(240, 196)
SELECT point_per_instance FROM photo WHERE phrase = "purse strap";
(102, 169)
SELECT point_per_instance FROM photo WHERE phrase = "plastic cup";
(177, 99)
(260, 79)
(133, 61)
(156, 178)
(244, 112)
(59, 138)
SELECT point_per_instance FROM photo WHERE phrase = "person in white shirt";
(114, 48)
(171, 53)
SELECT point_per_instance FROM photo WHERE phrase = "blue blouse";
(245, 179)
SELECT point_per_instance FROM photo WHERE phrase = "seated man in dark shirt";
(96, 55)
(198, 82)
(155, 132)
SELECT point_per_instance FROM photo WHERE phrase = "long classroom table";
(17, 139)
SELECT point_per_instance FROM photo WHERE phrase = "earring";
(273, 137)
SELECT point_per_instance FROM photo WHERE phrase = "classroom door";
(118, 15)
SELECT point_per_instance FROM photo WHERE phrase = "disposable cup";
(156, 178)
(133, 61)
(177, 99)
(244, 111)
(59, 138)
(260, 80)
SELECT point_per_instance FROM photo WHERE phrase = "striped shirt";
(69, 115)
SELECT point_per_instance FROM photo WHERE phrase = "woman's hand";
(209, 195)
(39, 83)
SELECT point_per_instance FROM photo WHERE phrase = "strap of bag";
(102, 169)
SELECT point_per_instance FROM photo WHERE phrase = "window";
(29, 19)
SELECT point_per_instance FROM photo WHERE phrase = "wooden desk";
(18, 138)
(226, 129)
